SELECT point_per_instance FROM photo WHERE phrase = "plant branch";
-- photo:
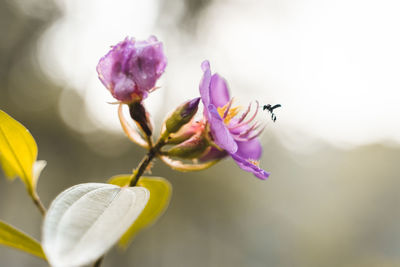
(38, 203)
(153, 152)
(98, 262)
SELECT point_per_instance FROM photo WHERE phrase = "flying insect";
(271, 108)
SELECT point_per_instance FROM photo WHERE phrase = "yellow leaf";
(120, 180)
(160, 195)
(8, 171)
(12, 237)
(18, 150)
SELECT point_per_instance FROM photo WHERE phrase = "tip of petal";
(262, 175)
(205, 65)
(152, 38)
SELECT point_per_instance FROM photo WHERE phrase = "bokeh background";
(333, 195)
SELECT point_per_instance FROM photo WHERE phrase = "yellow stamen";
(254, 162)
(231, 113)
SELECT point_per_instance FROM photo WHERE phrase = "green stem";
(149, 141)
(153, 152)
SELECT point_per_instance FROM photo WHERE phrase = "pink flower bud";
(131, 68)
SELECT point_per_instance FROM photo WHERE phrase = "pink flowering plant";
(85, 221)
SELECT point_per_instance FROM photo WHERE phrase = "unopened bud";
(132, 67)
(190, 149)
(182, 115)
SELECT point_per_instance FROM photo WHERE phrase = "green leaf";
(18, 150)
(12, 237)
(160, 195)
(86, 220)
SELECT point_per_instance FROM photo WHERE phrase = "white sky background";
(333, 65)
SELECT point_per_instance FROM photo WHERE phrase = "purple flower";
(232, 134)
(131, 68)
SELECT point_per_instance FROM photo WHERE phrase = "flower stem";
(153, 152)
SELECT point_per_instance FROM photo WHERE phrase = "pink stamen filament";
(228, 108)
(257, 134)
(252, 128)
(245, 114)
(242, 138)
(248, 121)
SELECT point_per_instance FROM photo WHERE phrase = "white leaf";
(86, 220)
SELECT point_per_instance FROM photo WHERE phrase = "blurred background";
(332, 198)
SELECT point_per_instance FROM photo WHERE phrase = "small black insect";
(271, 109)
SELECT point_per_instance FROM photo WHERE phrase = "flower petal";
(222, 136)
(213, 154)
(147, 63)
(104, 68)
(219, 93)
(123, 88)
(249, 150)
(205, 84)
(249, 167)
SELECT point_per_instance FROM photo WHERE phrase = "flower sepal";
(141, 117)
(132, 133)
(178, 165)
